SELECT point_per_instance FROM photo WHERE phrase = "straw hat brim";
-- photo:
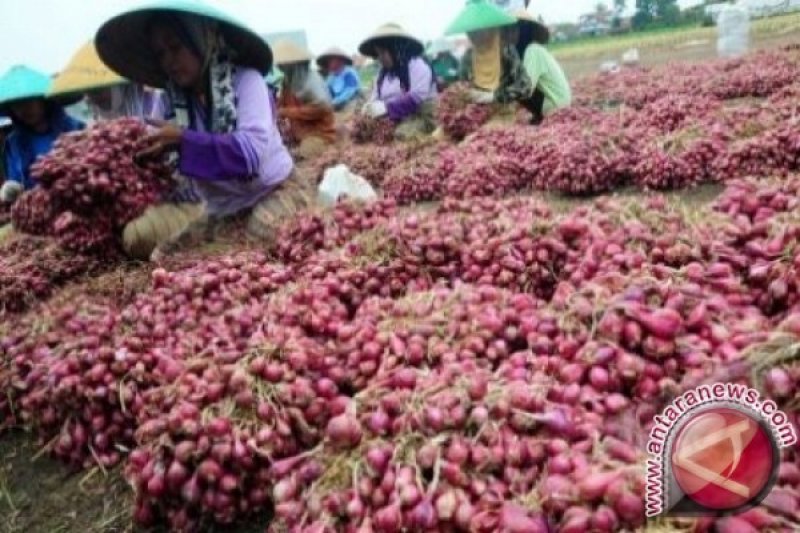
(85, 72)
(384, 35)
(323, 59)
(537, 28)
(123, 42)
(288, 53)
(64, 100)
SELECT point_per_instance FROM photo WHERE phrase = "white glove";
(482, 97)
(376, 109)
(10, 191)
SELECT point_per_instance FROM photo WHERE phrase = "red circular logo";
(722, 459)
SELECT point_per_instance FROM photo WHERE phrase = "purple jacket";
(402, 104)
(234, 171)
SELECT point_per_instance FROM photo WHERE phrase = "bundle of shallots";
(91, 187)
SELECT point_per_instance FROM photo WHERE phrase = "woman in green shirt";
(551, 87)
(508, 61)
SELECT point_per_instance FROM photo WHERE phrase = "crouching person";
(405, 89)
(304, 100)
(222, 124)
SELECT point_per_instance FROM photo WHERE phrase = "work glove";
(10, 191)
(482, 97)
(376, 109)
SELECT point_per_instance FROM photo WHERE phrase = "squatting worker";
(551, 87)
(109, 95)
(493, 65)
(223, 123)
(343, 82)
(36, 122)
(405, 88)
(304, 100)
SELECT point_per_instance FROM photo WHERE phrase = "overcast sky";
(45, 33)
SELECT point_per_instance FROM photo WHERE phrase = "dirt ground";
(696, 46)
(39, 495)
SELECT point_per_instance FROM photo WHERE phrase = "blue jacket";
(23, 146)
(344, 86)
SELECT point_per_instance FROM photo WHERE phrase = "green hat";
(22, 83)
(479, 15)
(122, 42)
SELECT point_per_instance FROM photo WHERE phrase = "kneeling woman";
(508, 61)
(405, 88)
(304, 101)
(37, 121)
(223, 127)
(551, 87)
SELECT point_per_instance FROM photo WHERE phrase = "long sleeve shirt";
(548, 76)
(22, 147)
(234, 171)
(343, 86)
(309, 110)
(402, 104)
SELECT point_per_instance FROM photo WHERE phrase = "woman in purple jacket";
(222, 124)
(405, 88)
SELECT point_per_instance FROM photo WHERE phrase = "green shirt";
(445, 67)
(548, 76)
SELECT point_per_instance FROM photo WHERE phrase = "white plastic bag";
(733, 31)
(631, 57)
(609, 67)
(338, 182)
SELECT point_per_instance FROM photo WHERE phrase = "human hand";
(376, 109)
(10, 191)
(166, 137)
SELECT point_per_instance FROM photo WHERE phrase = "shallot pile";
(90, 187)
(483, 364)
(365, 129)
(30, 269)
(458, 115)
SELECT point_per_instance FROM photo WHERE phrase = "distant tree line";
(664, 13)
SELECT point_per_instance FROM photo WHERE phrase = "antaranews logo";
(715, 451)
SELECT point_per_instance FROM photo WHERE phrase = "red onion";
(344, 431)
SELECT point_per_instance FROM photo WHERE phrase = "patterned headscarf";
(203, 38)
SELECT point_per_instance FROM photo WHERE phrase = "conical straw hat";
(84, 72)
(387, 32)
(287, 52)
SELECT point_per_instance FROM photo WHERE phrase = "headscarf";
(127, 100)
(305, 84)
(531, 33)
(402, 53)
(202, 37)
(487, 65)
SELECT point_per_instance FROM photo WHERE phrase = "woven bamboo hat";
(389, 32)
